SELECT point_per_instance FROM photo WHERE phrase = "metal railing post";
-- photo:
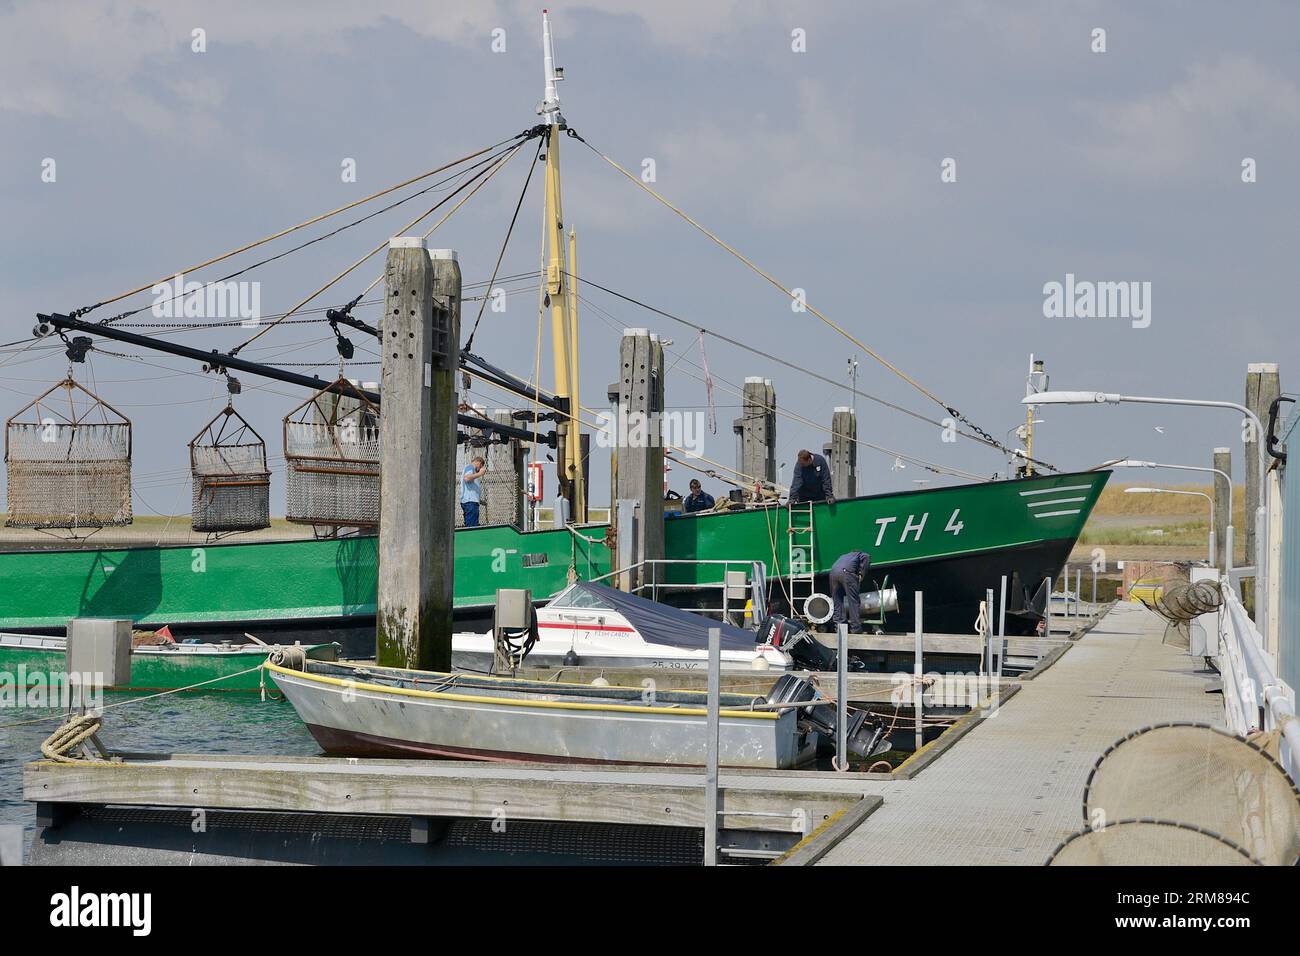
(713, 726)
(841, 697)
(918, 688)
(1002, 626)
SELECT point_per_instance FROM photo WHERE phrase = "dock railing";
(730, 596)
(1254, 697)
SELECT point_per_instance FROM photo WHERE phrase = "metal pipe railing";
(1254, 697)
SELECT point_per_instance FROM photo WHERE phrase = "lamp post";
(1262, 514)
(1175, 491)
(1228, 542)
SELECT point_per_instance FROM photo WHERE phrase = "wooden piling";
(419, 338)
(1223, 462)
(1263, 385)
(844, 452)
(755, 430)
(638, 439)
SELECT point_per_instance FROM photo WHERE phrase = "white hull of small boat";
(374, 711)
(473, 652)
(591, 625)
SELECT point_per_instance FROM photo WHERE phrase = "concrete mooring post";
(639, 449)
(420, 336)
(1223, 462)
(755, 430)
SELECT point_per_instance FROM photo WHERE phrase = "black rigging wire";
(506, 242)
(798, 368)
(328, 235)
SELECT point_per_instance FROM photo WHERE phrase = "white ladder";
(802, 558)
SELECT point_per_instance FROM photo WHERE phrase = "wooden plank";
(400, 789)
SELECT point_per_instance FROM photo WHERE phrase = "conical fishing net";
(1148, 843)
(1202, 778)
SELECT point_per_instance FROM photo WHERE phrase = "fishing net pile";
(1180, 601)
(1185, 795)
(68, 458)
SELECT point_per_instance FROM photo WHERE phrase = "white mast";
(549, 109)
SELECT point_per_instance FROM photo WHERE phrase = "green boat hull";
(1022, 527)
(25, 667)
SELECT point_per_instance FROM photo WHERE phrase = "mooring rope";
(71, 734)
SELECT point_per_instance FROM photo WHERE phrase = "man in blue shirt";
(471, 490)
(697, 500)
(847, 574)
(811, 480)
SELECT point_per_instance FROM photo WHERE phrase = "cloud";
(815, 166)
(1161, 135)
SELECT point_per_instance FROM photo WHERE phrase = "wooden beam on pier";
(425, 788)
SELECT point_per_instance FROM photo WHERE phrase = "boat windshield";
(579, 597)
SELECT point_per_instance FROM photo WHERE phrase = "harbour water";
(175, 723)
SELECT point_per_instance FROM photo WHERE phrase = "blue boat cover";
(657, 623)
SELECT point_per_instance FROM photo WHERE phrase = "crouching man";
(847, 575)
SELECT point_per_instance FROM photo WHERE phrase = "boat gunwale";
(356, 685)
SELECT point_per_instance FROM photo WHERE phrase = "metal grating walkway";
(1011, 789)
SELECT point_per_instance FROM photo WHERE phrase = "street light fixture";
(1228, 534)
(1262, 609)
(1175, 491)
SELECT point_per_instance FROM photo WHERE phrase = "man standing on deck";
(811, 480)
(471, 490)
(847, 575)
(697, 500)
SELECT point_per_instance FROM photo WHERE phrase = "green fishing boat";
(28, 660)
(952, 543)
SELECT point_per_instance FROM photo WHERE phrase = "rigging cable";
(951, 410)
(482, 177)
(791, 365)
(506, 242)
(731, 387)
(323, 236)
(309, 222)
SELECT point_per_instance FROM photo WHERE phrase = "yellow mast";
(564, 319)
(579, 479)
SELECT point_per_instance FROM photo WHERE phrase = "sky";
(922, 171)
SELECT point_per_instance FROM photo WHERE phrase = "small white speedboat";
(592, 625)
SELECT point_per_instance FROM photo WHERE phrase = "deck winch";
(232, 485)
(331, 453)
(68, 457)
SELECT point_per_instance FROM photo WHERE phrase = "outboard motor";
(792, 637)
(865, 737)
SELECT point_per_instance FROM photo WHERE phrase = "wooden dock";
(1004, 787)
(1011, 789)
(761, 816)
